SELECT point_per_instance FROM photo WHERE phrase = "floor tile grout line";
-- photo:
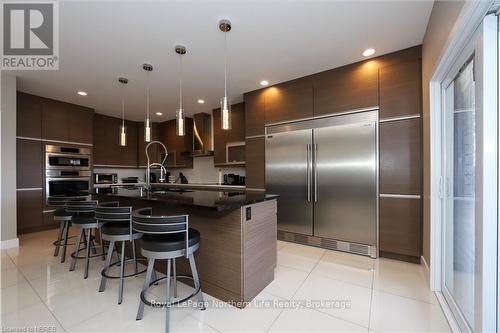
(371, 300)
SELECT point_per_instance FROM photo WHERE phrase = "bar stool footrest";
(169, 304)
(73, 255)
(116, 263)
(61, 243)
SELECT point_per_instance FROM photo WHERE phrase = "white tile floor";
(370, 295)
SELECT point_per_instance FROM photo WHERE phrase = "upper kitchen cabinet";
(81, 125)
(107, 151)
(287, 101)
(346, 88)
(255, 115)
(179, 148)
(400, 89)
(55, 121)
(66, 122)
(29, 115)
(230, 142)
(141, 145)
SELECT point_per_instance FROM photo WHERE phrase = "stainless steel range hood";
(202, 135)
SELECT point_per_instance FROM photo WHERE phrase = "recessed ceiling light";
(82, 93)
(264, 83)
(159, 114)
(368, 52)
(201, 101)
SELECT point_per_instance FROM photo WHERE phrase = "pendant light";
(179, 113)
(147, 123)
(123, 128)
(225, 103)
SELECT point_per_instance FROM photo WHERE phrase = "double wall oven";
(67, 172)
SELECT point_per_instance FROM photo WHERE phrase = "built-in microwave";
(66, 183)
(67, 158)
(105, 178)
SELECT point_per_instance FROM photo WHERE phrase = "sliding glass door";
(469, 176)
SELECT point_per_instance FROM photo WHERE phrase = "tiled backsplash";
(204, 171)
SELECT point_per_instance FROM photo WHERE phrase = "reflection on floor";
(314, 290)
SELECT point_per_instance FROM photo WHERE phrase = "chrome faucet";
(163, 171)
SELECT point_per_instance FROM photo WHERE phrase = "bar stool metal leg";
(66, 235)
(174, 278)
(134, 255)
(87, 254)
(196, 279)
(147, 280)
(77, 248)
(59, 238)
(167, 304)
(122, 272)
(107, 265)
(102, 244)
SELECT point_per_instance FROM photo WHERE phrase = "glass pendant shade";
(123, 135)
(180, 123)
(225, 113)
(147, 130)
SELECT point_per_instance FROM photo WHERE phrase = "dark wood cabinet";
(29, 163)
(29, 210)
(29, 115)
(107, 151)
(55, 121)
(401, 89)
(179, 148)
(289, 101)
(80, 123)
(400, 228)
(346, 88)
(400, 157)
(255, 109)
(223, 138)
(255, 152)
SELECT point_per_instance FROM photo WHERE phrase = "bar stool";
(84, 220)
(166, 237)
(65, 221)
(117, 227)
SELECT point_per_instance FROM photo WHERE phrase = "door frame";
(469, 20)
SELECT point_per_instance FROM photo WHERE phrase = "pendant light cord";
(123, 105)
(147, 97)
(180, 82)
(225, 64)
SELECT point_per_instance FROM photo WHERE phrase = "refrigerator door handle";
(315, 170)
(308, 175)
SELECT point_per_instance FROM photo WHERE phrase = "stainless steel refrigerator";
(326, 173)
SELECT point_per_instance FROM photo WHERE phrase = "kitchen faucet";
(163, 171)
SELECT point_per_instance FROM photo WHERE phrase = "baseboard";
(427, 270)
(401, 257)
(9, 244)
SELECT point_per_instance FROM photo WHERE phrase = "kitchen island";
(237, 253)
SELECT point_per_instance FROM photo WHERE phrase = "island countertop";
(215, 200)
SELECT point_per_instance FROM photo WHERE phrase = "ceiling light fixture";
(82, 93)
(264, 83)
(201, 101)
(123, 128)
(179, 113)
(225, 104)
(147, 123)
(159, 114)
(368, 52)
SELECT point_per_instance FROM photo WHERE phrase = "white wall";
(204, 171)
(8, 159)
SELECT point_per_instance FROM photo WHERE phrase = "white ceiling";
(272, 40)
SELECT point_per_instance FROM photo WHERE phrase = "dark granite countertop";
(218, 200)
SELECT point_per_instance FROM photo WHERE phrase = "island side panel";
(259, 247)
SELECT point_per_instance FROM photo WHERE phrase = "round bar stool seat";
(62, 215)
(169, 242)
(86, 220)
(116, 229)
